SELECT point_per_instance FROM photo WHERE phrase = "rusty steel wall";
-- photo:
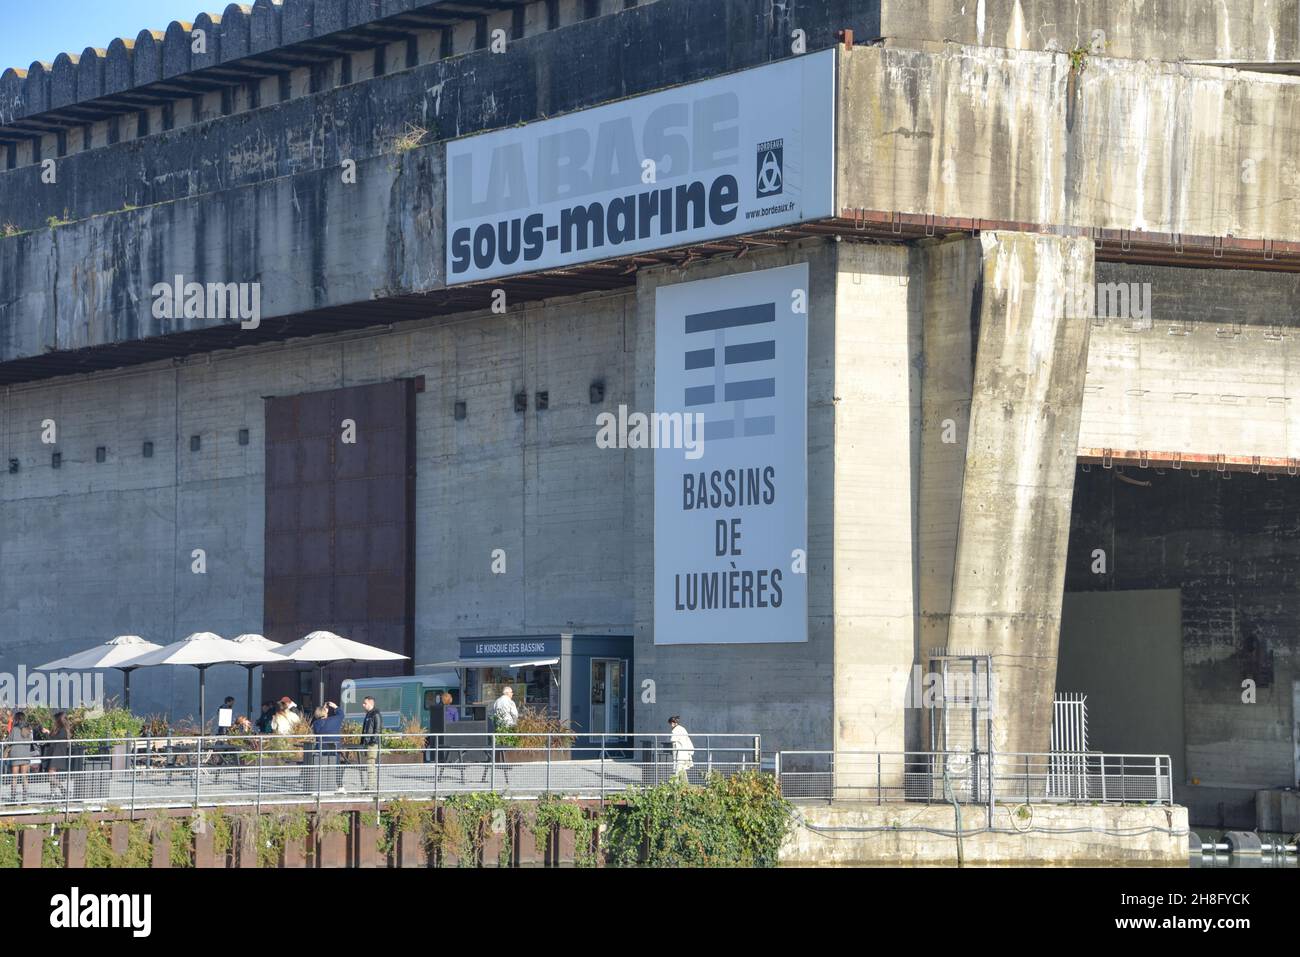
(340, 540)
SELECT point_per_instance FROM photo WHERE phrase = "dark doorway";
(340, 535)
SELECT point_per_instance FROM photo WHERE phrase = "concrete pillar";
(1018, 479)
(949, 275)
(876, 404)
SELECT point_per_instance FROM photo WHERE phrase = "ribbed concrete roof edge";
(241, 30)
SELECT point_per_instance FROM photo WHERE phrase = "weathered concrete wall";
(1213, 367)
(1016, 136)
(92, 550)
(581, 64)
(1016, 488)
(920, 834)
(1231, 545)
(310, 240)
(575, 520)
(1139, 146)
(1150, 29)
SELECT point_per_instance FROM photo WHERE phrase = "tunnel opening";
(1179, 623)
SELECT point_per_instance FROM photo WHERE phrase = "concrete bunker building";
(1049, 252)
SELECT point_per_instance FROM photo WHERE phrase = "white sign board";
(742, 153)
(731, 513)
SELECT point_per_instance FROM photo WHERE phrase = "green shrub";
(740, 821)
(99, 843)
(181, 839)
(51, 852)
(223, 832)
(8, 845)
(113, 723)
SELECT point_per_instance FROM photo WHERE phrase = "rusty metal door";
(340, 533)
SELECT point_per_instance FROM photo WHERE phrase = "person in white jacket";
(683, 748)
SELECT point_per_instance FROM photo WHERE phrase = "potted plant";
(528, 739)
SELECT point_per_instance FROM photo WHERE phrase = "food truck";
(401, 700)
(580, 680)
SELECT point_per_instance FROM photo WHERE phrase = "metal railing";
(176, 771)
(936, 777)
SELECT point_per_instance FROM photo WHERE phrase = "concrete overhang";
(1123, 152)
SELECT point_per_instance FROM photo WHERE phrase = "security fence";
(250, 770)
(975, 778)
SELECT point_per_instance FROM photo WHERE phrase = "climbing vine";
(553, 813)
(180, 838)
(223, 832)
(275, 832)
(406, 817)
(466, 831)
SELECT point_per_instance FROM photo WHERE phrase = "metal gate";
(1068, 777)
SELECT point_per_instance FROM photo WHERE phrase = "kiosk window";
(534, 687)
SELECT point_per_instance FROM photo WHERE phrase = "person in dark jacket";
(328, 727)
(56, 751)
(370, 730)
(264, 720)
(227, 705)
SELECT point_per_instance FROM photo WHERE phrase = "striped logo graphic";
(735, 368)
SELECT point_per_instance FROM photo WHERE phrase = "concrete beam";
(1027, 137)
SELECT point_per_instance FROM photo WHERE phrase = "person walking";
(56, 753)
(371, 727)
(20, 748)
(683, 749)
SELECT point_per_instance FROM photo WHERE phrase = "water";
(1210, 836)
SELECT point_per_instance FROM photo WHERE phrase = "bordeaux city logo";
(771, 168)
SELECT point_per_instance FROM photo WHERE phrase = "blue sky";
(42, 29)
